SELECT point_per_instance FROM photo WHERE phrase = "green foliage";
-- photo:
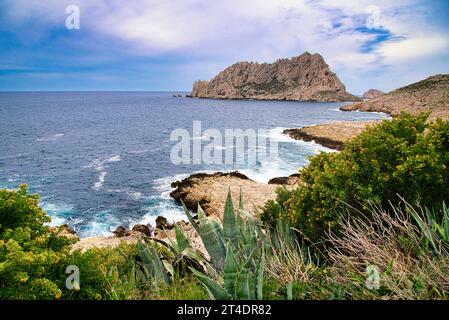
(105, 273)
(236, 250)
(434, 227)
(406, 156)
(239, 256)
(32, 257)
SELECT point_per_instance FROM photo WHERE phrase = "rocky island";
(372, 93)
(306, 78)
(429, 95)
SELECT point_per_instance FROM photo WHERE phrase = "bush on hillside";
(32, 257)
(406, 157)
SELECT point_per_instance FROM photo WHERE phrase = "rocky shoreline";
(207, 190)
(210, 190)
(331, 135)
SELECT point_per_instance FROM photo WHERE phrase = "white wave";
(115, 158)
(138, 151)
(102, 224)
(100, 181)
(58, 212)
(135, 195)
(165, 208)
(57, 221)
(99, 165)
(51, 138)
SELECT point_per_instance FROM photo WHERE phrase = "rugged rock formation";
(290, 180)
(144, 229)
(431, 94)
(372, 93)
(306, 77)
(332, 135)
(210, 191)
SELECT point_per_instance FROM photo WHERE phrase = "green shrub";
(406, 157)
(104, 273)
(32, 257)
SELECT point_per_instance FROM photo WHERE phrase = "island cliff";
(306, 77)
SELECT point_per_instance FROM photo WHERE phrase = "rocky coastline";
(331, 135)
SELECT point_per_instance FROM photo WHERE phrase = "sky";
(167, 45)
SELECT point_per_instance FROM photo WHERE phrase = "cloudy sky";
(166, 45)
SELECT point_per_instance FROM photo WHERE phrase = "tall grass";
(403, 242)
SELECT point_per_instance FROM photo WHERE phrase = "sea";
(102, 159)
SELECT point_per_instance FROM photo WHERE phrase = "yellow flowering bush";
(32, 258)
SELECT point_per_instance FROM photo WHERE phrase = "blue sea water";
(102, 159)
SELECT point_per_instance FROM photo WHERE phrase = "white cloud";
(220, 32)
(414, 48)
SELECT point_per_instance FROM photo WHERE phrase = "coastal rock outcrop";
(429, 95)
(372, 93)
(210, 191)
(331, 135)
(306, 77)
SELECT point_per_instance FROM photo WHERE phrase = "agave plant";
(434, 226)
(237, 252)
(236, 247)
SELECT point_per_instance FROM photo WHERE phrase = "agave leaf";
(209, 236)
(215, 291)
(229, 223)
(147, 260)
(423, 225)
(230, 270)
(190, 218)
(211, 239)
(168, 266)
(159, 269)
(242, 285)
(182, 240)
(445, 222)
(259, 274)
(241, 199)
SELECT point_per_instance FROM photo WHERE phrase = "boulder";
(145, 229)
(121, 231)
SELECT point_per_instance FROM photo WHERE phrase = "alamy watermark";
(73, 20)
(373, 19)
(233, 146)
(72, 282)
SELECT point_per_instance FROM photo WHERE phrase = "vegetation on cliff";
(406, 157)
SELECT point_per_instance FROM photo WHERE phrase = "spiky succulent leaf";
(215, 291)
(229, 222)
(242, 284)
(182, 240)
(259, 274)
(152, 264)
(230, 270)
(241, 199)
(211, 239)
